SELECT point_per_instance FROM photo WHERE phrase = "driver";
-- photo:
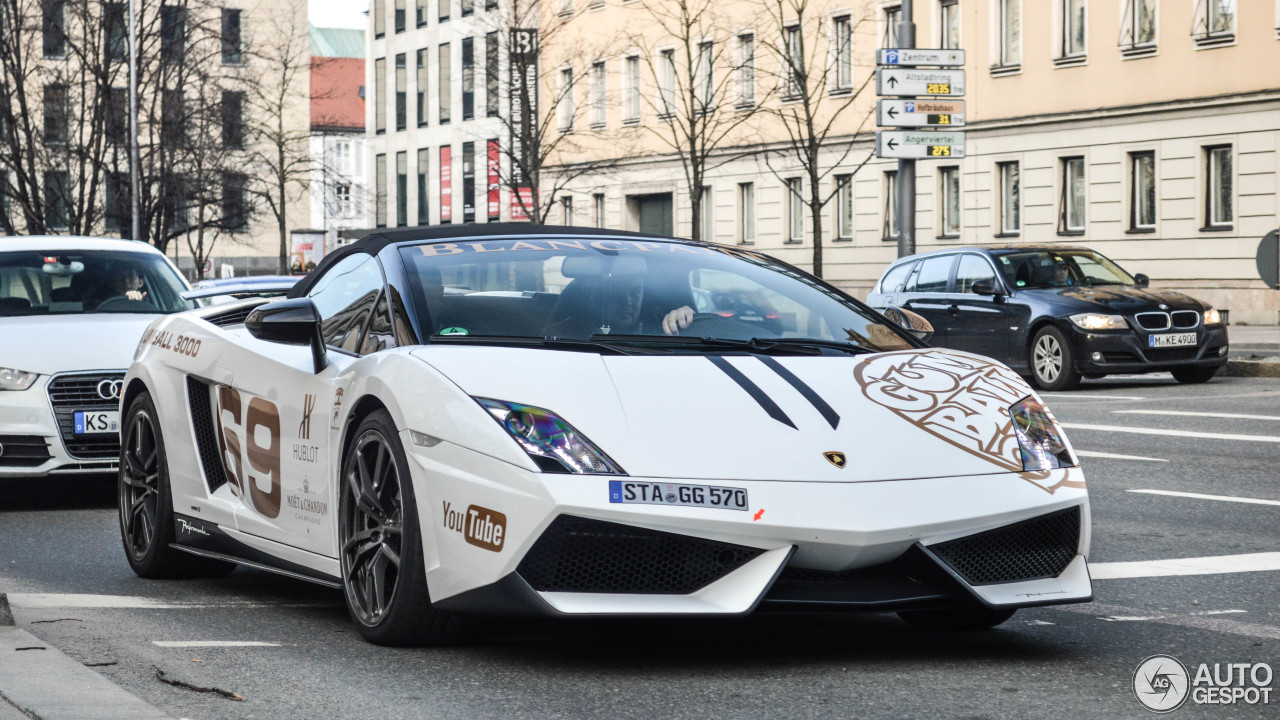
(614, 306)
(123, 281)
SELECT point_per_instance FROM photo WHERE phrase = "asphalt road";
(61, 538)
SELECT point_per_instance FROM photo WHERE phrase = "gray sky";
(337, 13)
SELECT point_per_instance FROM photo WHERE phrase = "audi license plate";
(97, 423)
(1171, 340)
(651, 493)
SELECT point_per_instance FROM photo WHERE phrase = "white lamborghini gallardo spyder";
(570, 421)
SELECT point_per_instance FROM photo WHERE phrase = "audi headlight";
(1039, 437)
(1096, 321)
(11, 379)
(1212, 317)
(553, 444)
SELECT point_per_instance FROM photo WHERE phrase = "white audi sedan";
(71, 313)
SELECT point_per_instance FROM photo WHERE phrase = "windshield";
(79, 282)
(643, 291)
(1030, 269)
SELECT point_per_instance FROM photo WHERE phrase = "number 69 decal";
(263, 460)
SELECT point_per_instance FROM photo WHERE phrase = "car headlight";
(553, 444)
(1096, 321)
(1039, 437)
(1212, 317)
(11, 379)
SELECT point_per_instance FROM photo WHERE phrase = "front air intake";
(1041, 547)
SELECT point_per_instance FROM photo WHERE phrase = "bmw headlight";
(553, 444)
(11, 379)
(1212, 317)
(1096, 321)
(1039, 437)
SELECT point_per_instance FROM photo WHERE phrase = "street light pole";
(135, 181)
(906, 167)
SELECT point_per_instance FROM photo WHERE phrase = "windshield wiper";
(802, 346)
(552, 343)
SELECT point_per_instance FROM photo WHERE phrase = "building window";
(117, 116)
(402, 189)
(444, 73)
(1010, 198)
(490, 4)
(420, 12)
(793, 44)
(706, 87)
(708, 215)
(380, 95)
(468, 7)
(746, 213)
(889, 230)
(564, 100)
(597, 94)
(424, 188)
(949, 190)
(1074, 23)
(633, 89)
(566, 209)
(746, 70)
(597, 202)
(55, 114)
(55, 200)
(1010, 37)
(795, 210)
(173, 34)
(402, 93)
(234, 215)
(1218, 187)
(342, 200)
(1138, 27)
(1071, 215)
(468, 78)
(118, 206)
(1215, 22)
(379, 18)
(892, 18)
(174, 203)
(444, 9)
(491, 98)
(844, 207)
(844, 52)
(232, 119)
(172, 122)
(342, 157)
(424, 84)
(1142, 191)
(399, 16)
(232, 47)
(115, 31)
(949, 24)
(53, 27)
(667, 66)
(380, 190)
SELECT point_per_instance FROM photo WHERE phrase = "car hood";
(900, 415)
(48, 344)
(1122, 299)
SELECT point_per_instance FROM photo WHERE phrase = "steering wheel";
(123, 299)
(729, 328)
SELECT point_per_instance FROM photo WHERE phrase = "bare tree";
(814, 74)
(692, 63)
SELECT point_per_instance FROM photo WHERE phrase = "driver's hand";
(135, 295)
(677, 320)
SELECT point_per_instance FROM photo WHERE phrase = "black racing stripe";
(753, 390)
(809, 394)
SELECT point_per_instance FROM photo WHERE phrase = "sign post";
(906, 166)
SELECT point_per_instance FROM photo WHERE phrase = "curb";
(1266, 368)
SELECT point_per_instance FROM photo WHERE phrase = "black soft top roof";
(374, 243)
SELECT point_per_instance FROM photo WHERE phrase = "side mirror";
(985, 287)
(1142, 280)
(295, 321)
(914, 324)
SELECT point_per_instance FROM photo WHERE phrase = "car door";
(274, 415)
(982, 324)
(926, 294)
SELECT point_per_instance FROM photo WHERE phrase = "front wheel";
(1052, 366)
(384, 580)
(1194, 375)
(959, 618)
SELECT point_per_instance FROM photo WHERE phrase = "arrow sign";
(910, 82)
(900, 57)
(920, 113)
(912, 144)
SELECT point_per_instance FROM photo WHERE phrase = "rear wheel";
(1052, 366)
(1195, 375)
(973, 617)
(380, 540)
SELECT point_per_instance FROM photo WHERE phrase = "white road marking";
(1222, 625)
(1219, 612)
(1127, 618)
(1171, 433)
(1183, 413)
(1039, 622)
(1074, 396)
(1198, 496)
(44, 601)
(211, 643)
(1252, 562)
(1113, 456)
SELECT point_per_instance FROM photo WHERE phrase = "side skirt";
(203, 538)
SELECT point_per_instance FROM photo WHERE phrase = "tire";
(384, 579)
(974, 617)
(1195, 375)
(145, 501)
(1052, 365)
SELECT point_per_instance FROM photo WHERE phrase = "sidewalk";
(1255, 351)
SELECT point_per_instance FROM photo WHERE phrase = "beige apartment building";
(1144, 129)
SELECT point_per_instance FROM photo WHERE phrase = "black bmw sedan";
(1056, 313)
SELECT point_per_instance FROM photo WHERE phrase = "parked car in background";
(217, 291)
(1056, 313)
(72, 311)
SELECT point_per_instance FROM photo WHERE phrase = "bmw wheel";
(1194, 375)
(146, 501)
(380, 542)
(1052, 367)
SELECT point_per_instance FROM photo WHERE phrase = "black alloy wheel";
(1052, 365)
(1194, 375)
(380, 544)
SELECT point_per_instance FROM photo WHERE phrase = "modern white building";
(341, 191)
